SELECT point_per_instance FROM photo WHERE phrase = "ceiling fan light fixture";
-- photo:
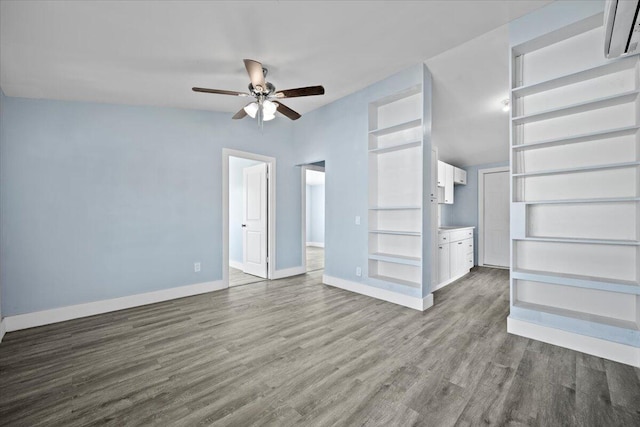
(252, 109)
(268, 117)
(269, 108)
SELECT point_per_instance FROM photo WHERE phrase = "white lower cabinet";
(455, 254)
(443, 263)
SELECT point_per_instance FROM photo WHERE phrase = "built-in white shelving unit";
(575, 168)
(395, 188)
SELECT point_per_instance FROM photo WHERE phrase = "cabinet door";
(458, 261)
(459, 176)
(448, 184)
(441, 173)
(434, 173)
(443, 263)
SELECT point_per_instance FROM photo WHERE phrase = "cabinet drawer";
(470, 260)
(444, 238)
(468, 244)
(461, 234)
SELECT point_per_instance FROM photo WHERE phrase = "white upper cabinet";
(448, 184)
(441, 173)
(459, 176)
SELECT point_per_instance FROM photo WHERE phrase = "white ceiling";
(469, 84)
(153, 52)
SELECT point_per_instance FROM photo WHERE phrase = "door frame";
(271, 209)
(481, 174)
(303, 172)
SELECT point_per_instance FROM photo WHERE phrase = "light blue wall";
(338, 133)
(2, 98)
(464, 210)
(236, 166)
(315, 213)
(102, 201)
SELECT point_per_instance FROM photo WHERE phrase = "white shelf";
(592, 136)
(622, 286)
(395, 280)
(573, 201)
(580, 240)
(403, 146)
(414, 90)
(395, 208)
(395, 232)
(578, 315)
(580, 76)
(396, 128)
(608, 101)
(397, 259)
(577, 169)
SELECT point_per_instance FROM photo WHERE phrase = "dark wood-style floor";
(296, 352)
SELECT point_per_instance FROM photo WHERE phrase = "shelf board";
(400, 233)
(395, 208)
(578, 315)
(581, 107)
(622, 286)
(592, 136)
(578, 169)
(407, 93)
(396, 259)
(396, 128)
(403, 146)
(575, 201)
(581, 240)
(395, 280)
(577, 77)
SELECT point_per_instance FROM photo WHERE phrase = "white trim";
(481, 174)
(55, 315)
(288, 272)
(271, 221)
(237, 265)
(450, 281)
(3, 329)
(316, 244)
(617, 352)
(416, 303)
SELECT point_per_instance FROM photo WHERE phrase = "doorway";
(493, 217)
(313, 201)
(249, 215)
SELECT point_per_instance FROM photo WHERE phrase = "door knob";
(244, 225)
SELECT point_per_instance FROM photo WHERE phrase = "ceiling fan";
(265, 105)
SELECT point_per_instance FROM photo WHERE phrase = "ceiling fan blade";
(284, 110)
(301, 91)
(256, 75)
(219, 91)
(240, 114)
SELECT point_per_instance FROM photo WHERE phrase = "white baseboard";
(46, 317)
(288, 272)
(316, 244)
(448, 282)
(237, 265)
(371, 291)
(617, 352)
(3, 329)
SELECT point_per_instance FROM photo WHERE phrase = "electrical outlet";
(357, 220)
(358, 271)
(196, 267)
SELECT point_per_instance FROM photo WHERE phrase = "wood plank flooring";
(296, 352)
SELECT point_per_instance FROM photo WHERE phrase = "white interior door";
(254, 220)
(496, 219)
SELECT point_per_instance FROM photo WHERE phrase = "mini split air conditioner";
(622, 28)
